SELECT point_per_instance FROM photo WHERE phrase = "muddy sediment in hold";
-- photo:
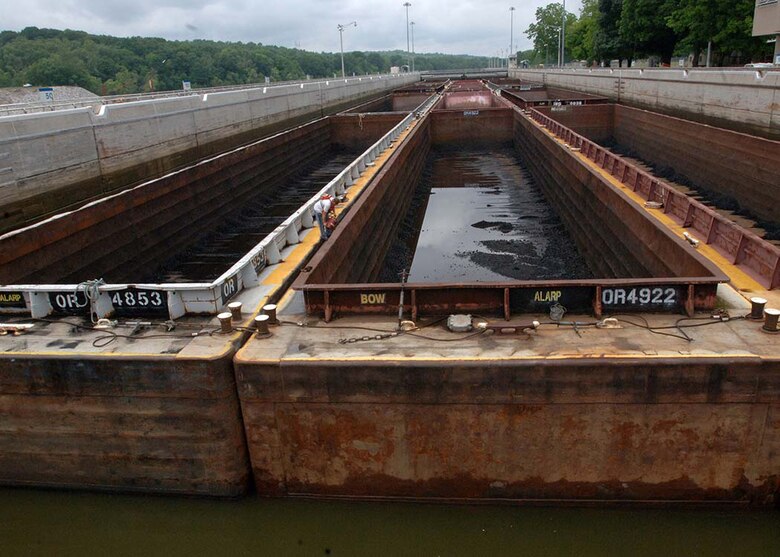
(478, 216)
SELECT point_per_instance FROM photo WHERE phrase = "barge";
(590, 406)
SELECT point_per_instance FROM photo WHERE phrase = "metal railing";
(743, 248)
(97, 103)
(175, 300)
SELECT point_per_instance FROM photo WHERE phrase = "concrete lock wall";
(745, 100)
(49, 161)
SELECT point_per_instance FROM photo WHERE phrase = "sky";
(479, 27)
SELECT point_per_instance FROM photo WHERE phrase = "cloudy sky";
(449, 26)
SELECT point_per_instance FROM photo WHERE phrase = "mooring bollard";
(225, 322)
(261, 325)
(771, 317)
(235, 310)
(270, 311)
(757, 308)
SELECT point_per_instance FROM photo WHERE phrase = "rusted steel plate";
(397, 430)
(161, 425)
(752, 253)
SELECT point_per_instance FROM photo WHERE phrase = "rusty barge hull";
(597, 418)
(153, 424)
(630, 430)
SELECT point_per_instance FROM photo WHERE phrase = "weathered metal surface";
(364, 233)
(682, 295)
(630, 429)
(484, 125)
(411, 96)
(549, 96)
(470, 100)
(152, 222)
(645, 267)
(739, 166)
(750, 252)
(209, 295)
(595, 122)
(382, 104)
(157, 425)
(360, 130)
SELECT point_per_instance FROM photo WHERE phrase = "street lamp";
(407, 5)
(341, 42)
(511, 31)
(411, 24)
(562, 35)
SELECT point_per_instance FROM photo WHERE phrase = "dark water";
(483, 219)
(64, 524)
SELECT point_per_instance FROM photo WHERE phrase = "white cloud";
(453, 26)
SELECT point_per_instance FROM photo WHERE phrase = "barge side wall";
(356, 250)
(125, 237)
(53, 160)
(162, 425)
(742, 167)
(133, 232)
(615, 237)
(631, 430)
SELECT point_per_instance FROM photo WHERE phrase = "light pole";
(341, 43)
(407, 5)
(511, 31)
(411, 24)
(562, 49)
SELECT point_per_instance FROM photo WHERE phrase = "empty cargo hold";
(477, 215)
(191, 224)
(625, 251)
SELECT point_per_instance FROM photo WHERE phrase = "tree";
(607, 41)
(545, 32)
(128, 65)
(125, 81)
(61, 69)
(581, 40)
(726, 24)
(644, 30)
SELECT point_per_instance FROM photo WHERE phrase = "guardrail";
(758, 257)
(597, 296)
(98, 102)
(173, 300)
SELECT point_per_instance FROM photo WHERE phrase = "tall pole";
(341, 43)
(563, 36)
(411, 24)
(408, 52)
(511, 32)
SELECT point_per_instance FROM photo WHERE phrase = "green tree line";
(627, 30)
(112, 65)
